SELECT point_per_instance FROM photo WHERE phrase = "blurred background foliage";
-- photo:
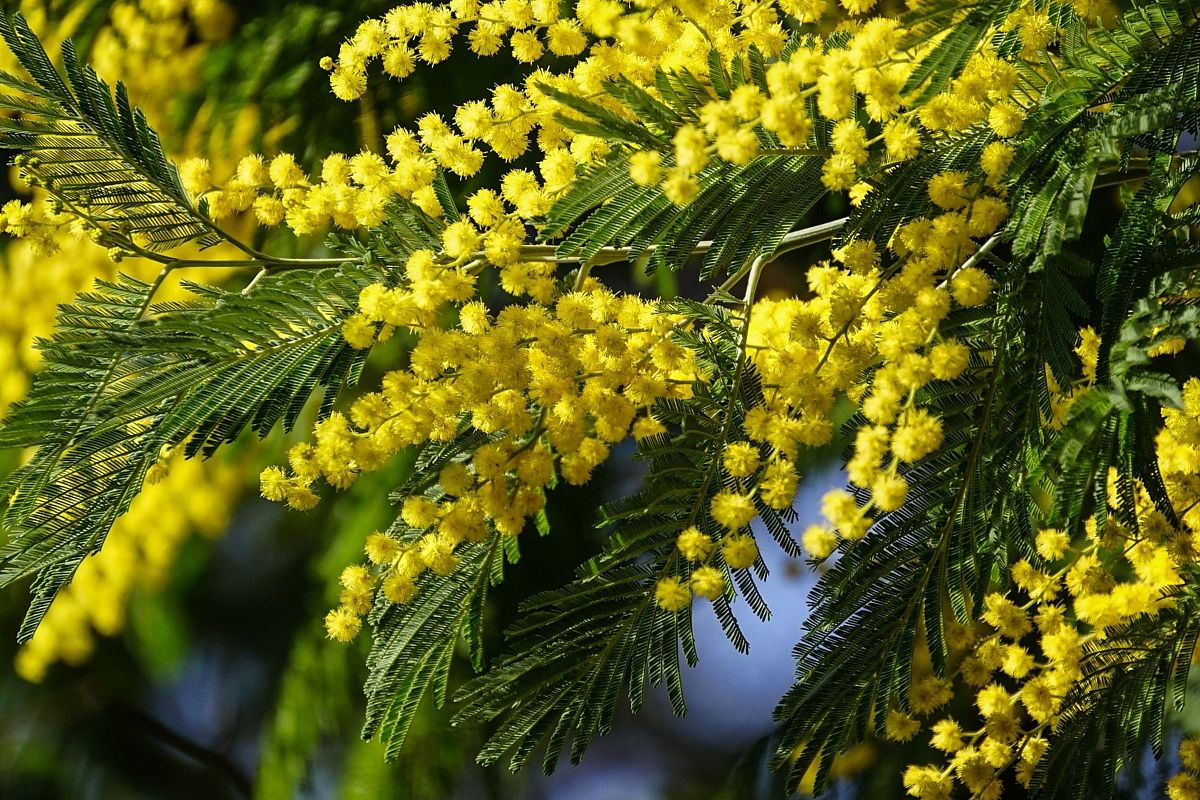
(188, 661)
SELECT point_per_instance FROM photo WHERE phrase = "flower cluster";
(869, 332)
(1178, 447)
(1029, 651)
(1032, 652)
(889, 320)
(552, 386)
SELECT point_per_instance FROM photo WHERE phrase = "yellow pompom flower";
(994, 701)
(971, 286)
(1005, 616)
(690, 149)
(680, 188)
(342, 624)
(741, 459)
(903, 141)
(927, 783)
(671, 594)
(947, 736)
(733, 510)
(273, 483)
(919, 434)
(196, 176)
(739, 552)
(899, 726)
(566, 38)
(399, 588)
(889, 491)
(644, 167)
(995, 160)
(1052, 543)
(460, 240)
(285, 173)
(647, 426)
(738, 146)
(838, 173)
(358, 331)
(1006, 119)
(819, 541)
(708, 582)
(381, 549)
(857, 6)
(526, 47)
(929, 693)
(356, 578)
(948, 359)
(1189, 753)
(1184, 786)
(694, 545)
(948, 190)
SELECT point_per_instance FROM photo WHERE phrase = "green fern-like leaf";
(414, 643)
(1135, 676)
(93, 150)
(128, 384)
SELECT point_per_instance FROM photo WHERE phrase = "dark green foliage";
(414, 642)
(64, 500)
(1133, 84)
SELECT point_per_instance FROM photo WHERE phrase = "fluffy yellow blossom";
(1184, 786)
(707, 582)
(644, 167)
(927, 783)
(733, 510)
(1189, 753)
(342, 624)
(899, 726)
(818, 541)
(1052, 543)
(947, 736)
(672, 595)
(918, 435)
(739, 552)
(694, 545)
(381, 548)
(971, 286)
(741, 459)
(929, 693)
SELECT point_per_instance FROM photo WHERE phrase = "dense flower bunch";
(553, 387)
(1030, 653)
(865, 319)
(1030, 650)
(870, 330)
(868, 70)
